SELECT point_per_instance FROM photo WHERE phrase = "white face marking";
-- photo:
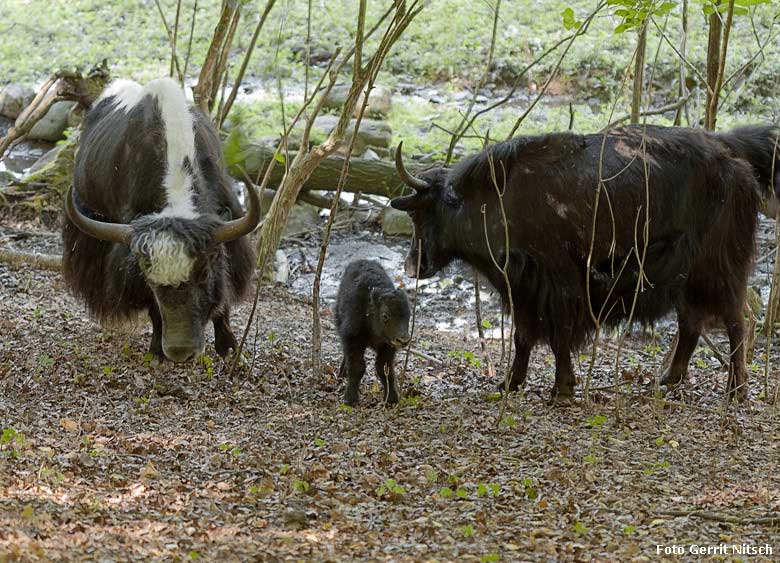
(179, 137)
(168, 262)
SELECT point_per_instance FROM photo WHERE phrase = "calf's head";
(428, 208)
(391, 315)
(184, 264)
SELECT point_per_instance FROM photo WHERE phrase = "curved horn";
(112, 232)
(408, 179)
(243, 225)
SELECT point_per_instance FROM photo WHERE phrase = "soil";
(108, 455)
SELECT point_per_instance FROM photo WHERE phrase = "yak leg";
(563, 390)
(224, 339)
(155, 348)
(523, 347)
(385, 356)
(689, 331)
(355, 366)
(735, 327)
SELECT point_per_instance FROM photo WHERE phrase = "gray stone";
(396, 222)
(14, 98)
(303, 216)
(53, 124)
(46, 159)
(379, 100)
(371, 133)
(370, 155)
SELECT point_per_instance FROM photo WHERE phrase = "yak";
(152, 222)
(600, 229)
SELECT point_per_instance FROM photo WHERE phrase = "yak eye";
(385, 317)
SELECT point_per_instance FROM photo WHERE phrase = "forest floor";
(106, 455)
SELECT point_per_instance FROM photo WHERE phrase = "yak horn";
(243, 225)
(112, 232)
(408, 179)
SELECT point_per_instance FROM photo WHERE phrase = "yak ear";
(405, 202)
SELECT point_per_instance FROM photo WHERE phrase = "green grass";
(446, 45)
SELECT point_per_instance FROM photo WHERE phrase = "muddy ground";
(106, 455)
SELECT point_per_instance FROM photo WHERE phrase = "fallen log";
(40, 261)
(376, 177)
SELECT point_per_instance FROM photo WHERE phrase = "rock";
(379, 100)
(14, 98)
(53, 124)
(396, 222)
(303, 216)
(371, 132)
(370, 155)
(45, 160)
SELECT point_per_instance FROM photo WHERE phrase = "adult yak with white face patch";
(676, 218)
(152, 222)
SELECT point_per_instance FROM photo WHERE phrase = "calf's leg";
(355, 366)
(385, 357)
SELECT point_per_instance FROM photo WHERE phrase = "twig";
(425, 356)
(658, 111)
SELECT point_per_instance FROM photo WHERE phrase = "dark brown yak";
(681, 202)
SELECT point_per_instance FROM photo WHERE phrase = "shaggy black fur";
(118, 178)
(370, 313)
(682, 202)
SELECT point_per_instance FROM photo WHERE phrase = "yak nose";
(180, 352)
(402, 341)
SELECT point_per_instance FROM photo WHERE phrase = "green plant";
(11, 442)
(596, 420)
(390, 489)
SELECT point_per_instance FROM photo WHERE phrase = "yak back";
(698, 245)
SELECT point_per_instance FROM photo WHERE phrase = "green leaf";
(569, 21)
(486, 324)
(629, 530)
(319, 442)
(659, 441)
(580, 529)
(467, 530)
(446, 492)
(490, 558)
(596, 420)
(279, 157)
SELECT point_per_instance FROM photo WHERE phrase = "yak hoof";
(513, 387)
(562, 395)
(671, 380)
(351, 396)
(739, 393)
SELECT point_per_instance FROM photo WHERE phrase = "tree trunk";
(639, 74)
(713, 63)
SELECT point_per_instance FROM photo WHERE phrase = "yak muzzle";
(182, 351)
